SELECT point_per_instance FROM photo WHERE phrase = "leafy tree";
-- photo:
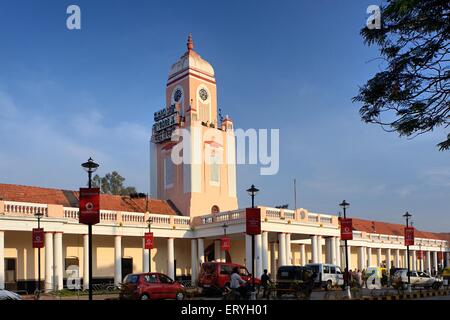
(112, 183)
(411, 95)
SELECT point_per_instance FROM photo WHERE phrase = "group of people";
(240, 287)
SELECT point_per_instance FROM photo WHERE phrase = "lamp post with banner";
(346, 234)
(149, 242)
(89, 211)
(409, 241)
(38, 242)
(253, 225)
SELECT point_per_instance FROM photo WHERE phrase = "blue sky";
(294, 65)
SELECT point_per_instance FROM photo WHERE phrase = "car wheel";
(179, 296)
(329, 285)
(145, 297)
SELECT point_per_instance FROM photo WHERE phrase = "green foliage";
(411, 94)
(112, 183)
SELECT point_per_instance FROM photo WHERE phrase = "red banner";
(148, 238)
(346, 229)
(225, 244)
(89, 205)
(409, 236)
(420, 254)
(253, 221)
(38, 238)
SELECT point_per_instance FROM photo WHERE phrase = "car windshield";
(314, 268)
(131, 278)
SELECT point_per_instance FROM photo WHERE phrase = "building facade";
(194, 200)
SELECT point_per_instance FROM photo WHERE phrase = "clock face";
(203, 94)
(177, 95)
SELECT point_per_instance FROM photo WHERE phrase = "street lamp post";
(225, 226)
(252, 192)
(149, 223)
(90, 166)
(407, 216)
(344, 206)
(39, 215)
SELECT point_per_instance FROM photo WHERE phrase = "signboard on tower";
(89, 205)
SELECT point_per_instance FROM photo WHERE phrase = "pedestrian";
(359, 278)
(265, 280)
(236, 283)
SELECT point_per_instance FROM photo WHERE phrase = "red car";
(146, 286)
(216, 275)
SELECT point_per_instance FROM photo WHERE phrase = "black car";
(295, 279)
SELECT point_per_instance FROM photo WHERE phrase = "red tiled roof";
(68, 198)
(393, 229)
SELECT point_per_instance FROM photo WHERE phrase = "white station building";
(191, 204)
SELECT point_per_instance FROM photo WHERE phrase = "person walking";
(237, 283)
(265, 280)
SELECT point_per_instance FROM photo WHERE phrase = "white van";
(328, 275)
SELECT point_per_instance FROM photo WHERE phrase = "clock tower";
(205, 181)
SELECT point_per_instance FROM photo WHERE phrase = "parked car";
(328, 275)
(151, 286)
(417, 278)
(296, 278)
(215, 276)
(9, 295)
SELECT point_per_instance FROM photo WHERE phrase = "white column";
(288, 249)
(2, 260)
(421, 262)
(314, 249)
(369, 257)
(145, 257)
(58, 256)
(338, 252)
(361, 258)
(397, 258)
(332, 246)
(170, 258)
(281, 249)
(303, 254)
(118, 260)
(435, 260)
(265, 250)
(200, 251)
(194, 256)
(349, 253)
(388, 259)
(258, 255)
(414, 260)
(49, 261)
(248, 252)
(273, 262)
(319, 249)
(85, 261)
(429, 261)
(217, 255)
(378, 257)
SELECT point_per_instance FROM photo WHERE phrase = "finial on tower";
(190, 43)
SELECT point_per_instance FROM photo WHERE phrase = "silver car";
(418, 279)
(9, 295)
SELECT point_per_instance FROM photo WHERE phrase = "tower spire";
(190, 43)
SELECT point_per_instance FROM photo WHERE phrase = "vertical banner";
(409, 236)
(148, 239)
(38, 237)
(89, 205)
(253, 221)
(225, 244)
(346, 229)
